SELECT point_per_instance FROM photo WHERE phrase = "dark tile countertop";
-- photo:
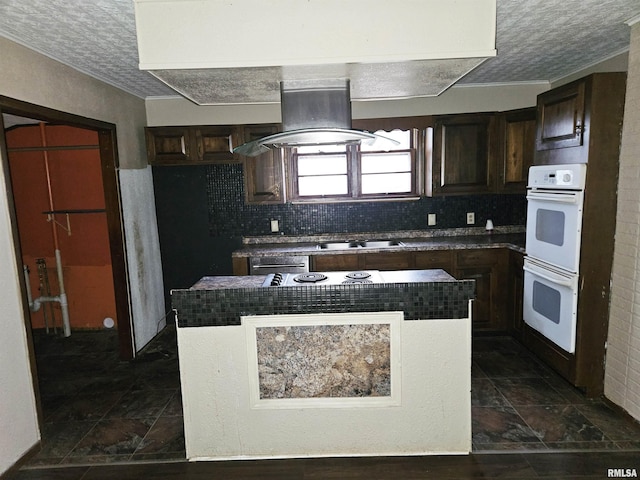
(453, 239)
(256, 281)
(420, 294)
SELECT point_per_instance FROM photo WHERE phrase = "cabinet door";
(387, 261)
(482, 308)
(489, 268)
(264, 174)
(336, 263)
(518, 141)
(463, 161)
(561, 117)
(168, 145)
(215, 144)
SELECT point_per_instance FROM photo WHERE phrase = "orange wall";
(76, 183)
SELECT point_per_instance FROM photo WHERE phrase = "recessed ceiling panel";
(368, 81)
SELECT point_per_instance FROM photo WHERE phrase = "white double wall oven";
(555, 200)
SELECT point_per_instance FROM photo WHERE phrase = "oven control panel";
(570, 177)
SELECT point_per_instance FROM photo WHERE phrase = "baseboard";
(617, 408)
(21, 461)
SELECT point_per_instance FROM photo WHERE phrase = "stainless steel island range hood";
(314, 113)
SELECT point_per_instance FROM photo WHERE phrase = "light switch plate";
(431, 219)
(274, 226)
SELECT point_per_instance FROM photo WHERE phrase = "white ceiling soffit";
(221, 52)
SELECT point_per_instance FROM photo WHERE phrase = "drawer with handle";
(278, 264)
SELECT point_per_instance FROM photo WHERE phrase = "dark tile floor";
(98, 409)
(520, 404)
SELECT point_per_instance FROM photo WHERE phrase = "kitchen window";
(354, 172)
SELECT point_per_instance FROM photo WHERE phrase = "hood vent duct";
(314, 115)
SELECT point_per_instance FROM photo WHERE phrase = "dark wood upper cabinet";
(517, 141)
(168, 145)
(580, 121)
(464, 154)
(263, 175)
(561, 117)
(216, 144)
(192, 145)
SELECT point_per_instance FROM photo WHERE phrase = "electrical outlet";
(431, 219)
(471, 218)
(275, 228)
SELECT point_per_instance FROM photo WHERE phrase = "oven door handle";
(569, 197)
(279, 265)
(564, 282)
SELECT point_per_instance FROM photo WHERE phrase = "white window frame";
(354, 177)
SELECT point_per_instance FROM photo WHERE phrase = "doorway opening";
(61, 175)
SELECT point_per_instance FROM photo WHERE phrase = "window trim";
(354, 173)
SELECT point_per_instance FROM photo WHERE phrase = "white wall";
(28, 76)
(434, 415)
(622, 376)
(18, 416)
(464, 99)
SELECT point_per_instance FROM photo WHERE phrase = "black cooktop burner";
(357, 280)
(312, 277)
(358, 275)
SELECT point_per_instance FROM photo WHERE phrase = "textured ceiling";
(537, 40)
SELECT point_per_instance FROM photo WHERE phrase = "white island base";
(232, 412)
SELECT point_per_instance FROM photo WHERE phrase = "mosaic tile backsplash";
(229, 216)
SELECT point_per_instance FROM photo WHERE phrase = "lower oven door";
(550, 302)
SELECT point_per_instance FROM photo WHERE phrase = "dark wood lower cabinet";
(388, 261)
(490, 268)
(482, 315)
(497, 272)
(334, 263)
(434, 259)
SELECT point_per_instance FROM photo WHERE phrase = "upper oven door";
(554, 224)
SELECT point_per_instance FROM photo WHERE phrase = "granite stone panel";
(324, 361)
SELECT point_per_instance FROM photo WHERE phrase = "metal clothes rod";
(76, 211)
(50, 149)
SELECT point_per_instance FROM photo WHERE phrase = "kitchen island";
(325, 370)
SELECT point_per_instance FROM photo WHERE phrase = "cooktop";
(322, 278)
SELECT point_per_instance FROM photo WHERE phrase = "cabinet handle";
(280, 265)
(579, 130)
